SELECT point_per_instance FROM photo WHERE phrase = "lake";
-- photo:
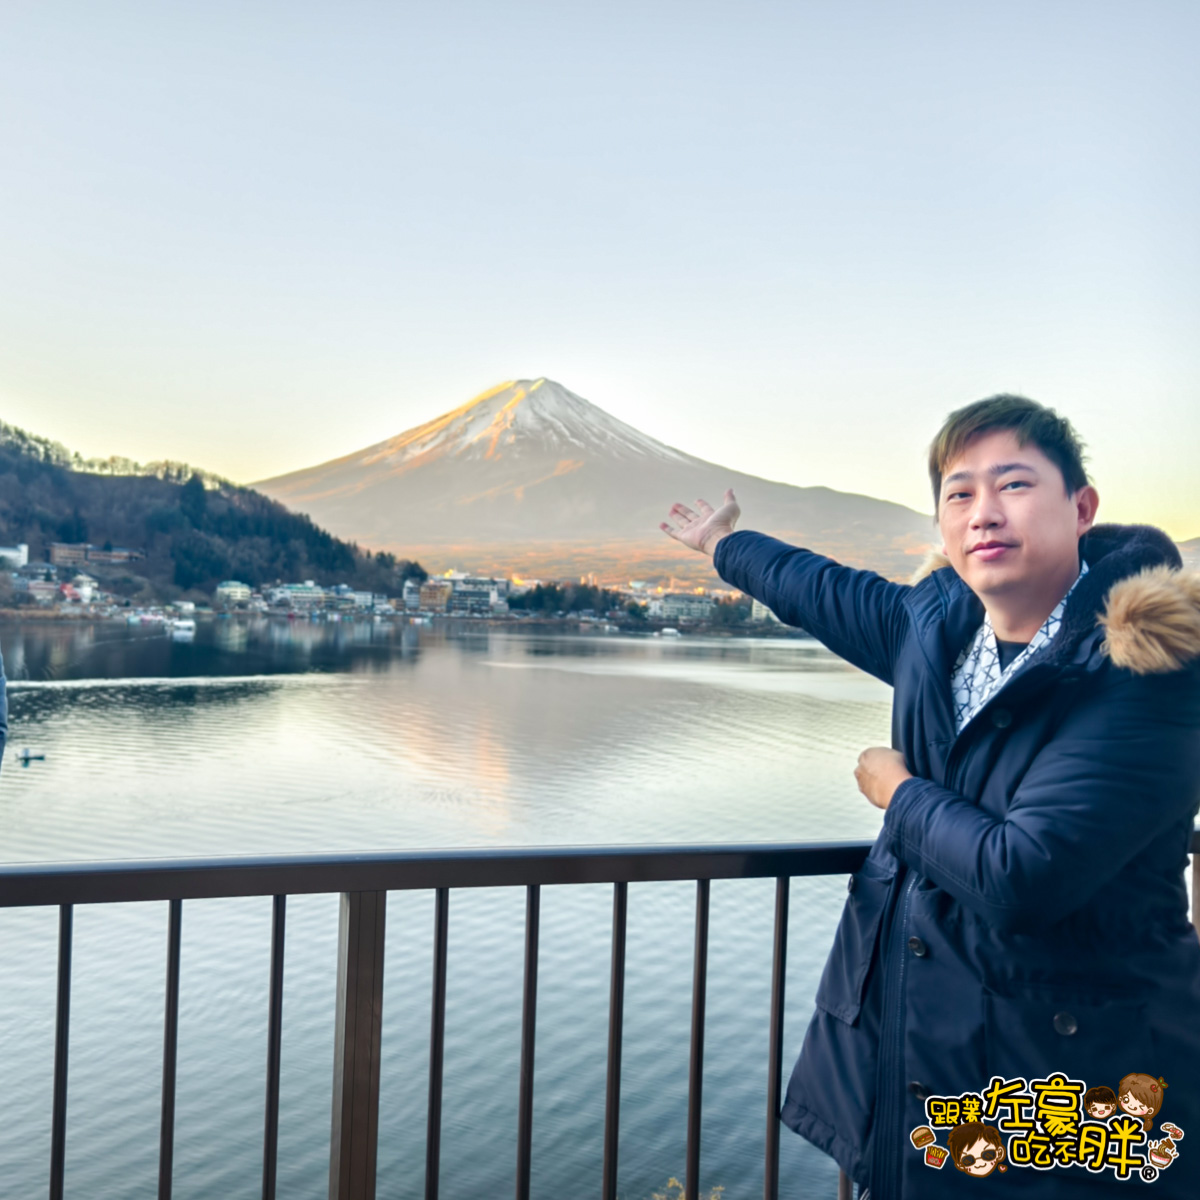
(268, 736)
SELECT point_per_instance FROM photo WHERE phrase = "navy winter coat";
(1023, 911)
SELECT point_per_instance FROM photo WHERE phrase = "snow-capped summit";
(530, 478)
(519, 418)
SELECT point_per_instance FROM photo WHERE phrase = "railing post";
(528, 1035)
(356, 1053)
(166, 1133)
(775, 1039)
(274, 1048)
(437, 1044)
(62, 1041)
(691, 1180)
(616, 1019)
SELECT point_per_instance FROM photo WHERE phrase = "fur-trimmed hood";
(1136, 591)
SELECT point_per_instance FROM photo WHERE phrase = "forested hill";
(194, 529)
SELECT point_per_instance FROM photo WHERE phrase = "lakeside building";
(412, 595)
(114, 555)
(435, 595)
(344, 598)
(760, 612)
(69, 554)
(478, 596)
(297, 595)
(42, 591)
(75, 554)
(232, 591)
(36, 570)
(15, 557)
(682, 606)
(85, 588)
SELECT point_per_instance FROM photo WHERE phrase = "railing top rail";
(90, 882)
(40, 883)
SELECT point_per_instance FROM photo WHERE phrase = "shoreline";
(573, 625)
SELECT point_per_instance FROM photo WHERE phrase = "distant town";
(64, 585)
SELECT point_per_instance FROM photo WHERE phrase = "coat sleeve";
(1123, 769)
(859, 615)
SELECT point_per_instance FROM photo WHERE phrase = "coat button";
(918, 947)
(1001, 718)
(850, 883)
(919, 1090)
(1065, 1024)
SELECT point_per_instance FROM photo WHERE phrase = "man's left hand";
(880, 772)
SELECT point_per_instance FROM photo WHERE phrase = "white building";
(86, 586)
(479, 595)
(232, 592)
(297, 595)
(760, 612)
(681, 606)
(13, 558)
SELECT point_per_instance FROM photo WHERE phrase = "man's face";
(978, 1165)
(1007, 522)
(1100, 1111)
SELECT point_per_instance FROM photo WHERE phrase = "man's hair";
(1028, 420)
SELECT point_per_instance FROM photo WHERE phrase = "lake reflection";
(268, 736)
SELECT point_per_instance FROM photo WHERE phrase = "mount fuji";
(530, 479)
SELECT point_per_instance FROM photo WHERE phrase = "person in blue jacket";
(1019, 933)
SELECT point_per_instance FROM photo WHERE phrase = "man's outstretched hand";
(704, 529)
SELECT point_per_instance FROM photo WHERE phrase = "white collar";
(978, 676)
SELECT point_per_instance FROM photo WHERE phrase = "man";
(1023, 911)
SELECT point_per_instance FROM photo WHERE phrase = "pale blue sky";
(787, 237)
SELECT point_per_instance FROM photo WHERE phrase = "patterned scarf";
(977, 676)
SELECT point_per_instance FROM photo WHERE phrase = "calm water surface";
(271, 737)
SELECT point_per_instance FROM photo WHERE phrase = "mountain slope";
(531, 477)
(190, 536)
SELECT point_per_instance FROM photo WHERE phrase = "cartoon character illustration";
(1172, 1131)
(1141, 1096)
(1100, 1102)
(976, 1148)
(1162, 1153)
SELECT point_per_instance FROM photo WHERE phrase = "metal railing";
(364, 881)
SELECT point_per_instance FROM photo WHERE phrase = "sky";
(788, 238)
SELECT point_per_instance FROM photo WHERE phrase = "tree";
(193, 500)
(74, 528)
(731, 612)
